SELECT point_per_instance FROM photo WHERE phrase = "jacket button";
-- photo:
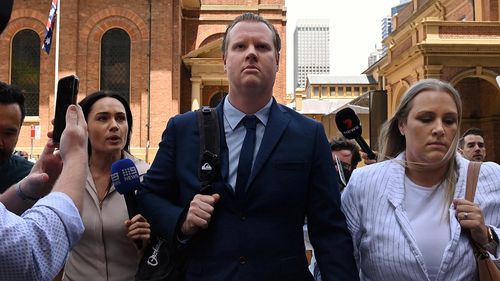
(242, 260)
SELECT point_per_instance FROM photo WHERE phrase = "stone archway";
(481, 108)
(217, 97)
(397, 94)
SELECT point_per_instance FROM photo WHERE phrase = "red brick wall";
(459, 9)
(27, 16)
(156, 53)
(469, 32)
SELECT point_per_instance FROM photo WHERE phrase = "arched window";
(217, 98)
(115, 62)
(25, 70)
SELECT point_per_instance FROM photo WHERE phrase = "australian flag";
(47, 42)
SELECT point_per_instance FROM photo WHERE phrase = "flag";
(47, 42)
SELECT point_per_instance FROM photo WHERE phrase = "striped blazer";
(385, 248)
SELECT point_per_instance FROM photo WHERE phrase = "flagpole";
(56, 67)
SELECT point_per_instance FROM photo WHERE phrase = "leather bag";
(488, 271)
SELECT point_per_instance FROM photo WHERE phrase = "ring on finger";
(466, 215)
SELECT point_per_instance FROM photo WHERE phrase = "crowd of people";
(401, 217)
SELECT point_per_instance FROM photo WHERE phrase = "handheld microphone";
(349, 125)
(126, 179)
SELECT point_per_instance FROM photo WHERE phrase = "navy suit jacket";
(260, 238)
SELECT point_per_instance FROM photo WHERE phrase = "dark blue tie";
(246, 155)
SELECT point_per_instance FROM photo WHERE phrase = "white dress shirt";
(235, 134)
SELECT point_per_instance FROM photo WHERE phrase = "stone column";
(195, 93)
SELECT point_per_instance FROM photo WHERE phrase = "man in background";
(346, 157)
(471, 145)
(34, 245)
(12, 112)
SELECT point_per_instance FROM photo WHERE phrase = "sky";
(355, 29)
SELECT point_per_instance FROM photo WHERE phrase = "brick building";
(162, 55)
(454, 40)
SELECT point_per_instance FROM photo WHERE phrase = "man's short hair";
(471, 131)
(10, 94)
(251, 17)
(341, 143)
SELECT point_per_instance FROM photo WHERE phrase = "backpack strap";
(209, 166)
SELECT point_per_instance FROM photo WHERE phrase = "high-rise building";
(312, 50)
(376, 55)
(386, 27)
(386, 30)
(386, 23)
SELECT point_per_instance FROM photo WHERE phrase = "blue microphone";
(126, 179)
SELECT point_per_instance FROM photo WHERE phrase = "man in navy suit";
(250, 228)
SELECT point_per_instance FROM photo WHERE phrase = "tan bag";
(488, 271)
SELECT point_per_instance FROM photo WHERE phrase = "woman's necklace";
(101, 199)
(99, 182)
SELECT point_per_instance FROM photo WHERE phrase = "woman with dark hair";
(107, 250)
(407, 214)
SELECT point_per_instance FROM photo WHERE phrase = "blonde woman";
(407, 215)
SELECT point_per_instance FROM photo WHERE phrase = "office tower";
(376, 55)
(386, 22)
(386, 27)
(311, 50)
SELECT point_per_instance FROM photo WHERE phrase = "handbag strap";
(470, 191)
(472, 177)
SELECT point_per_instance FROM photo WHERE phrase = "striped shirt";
(385, 247)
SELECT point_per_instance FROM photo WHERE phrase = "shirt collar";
(234, 116)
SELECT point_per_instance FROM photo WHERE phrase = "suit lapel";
(276, 125)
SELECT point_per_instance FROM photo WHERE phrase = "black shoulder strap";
(209, 167)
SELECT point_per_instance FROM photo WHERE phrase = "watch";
(492, 235)
(492, 244)
(23, 195)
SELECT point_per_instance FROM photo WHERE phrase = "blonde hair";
(392, 142)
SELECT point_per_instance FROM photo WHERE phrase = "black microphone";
(349, 125)
(126, 179)
(5, 11)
